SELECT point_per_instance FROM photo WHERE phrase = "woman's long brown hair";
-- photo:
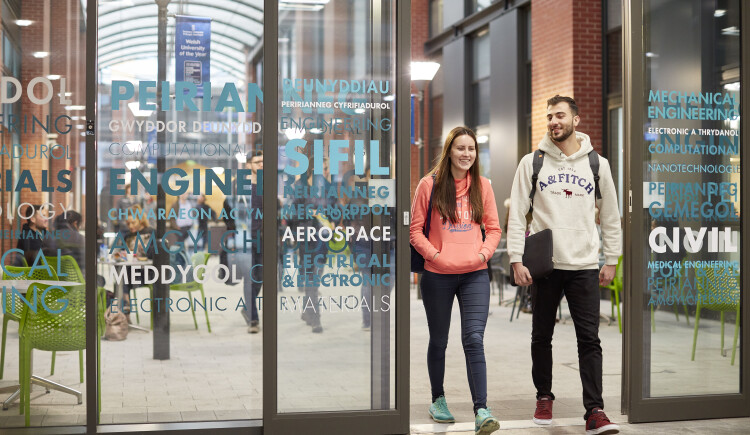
(444, 197)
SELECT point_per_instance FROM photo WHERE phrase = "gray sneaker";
(254, 327)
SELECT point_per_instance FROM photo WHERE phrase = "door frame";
(331, 423)
(641, 409)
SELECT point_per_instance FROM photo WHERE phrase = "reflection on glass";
(691, 198)
(478, 5)
(41, 163)
(179, 162)
(336, 208)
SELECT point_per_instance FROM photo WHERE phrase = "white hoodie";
(565, 203)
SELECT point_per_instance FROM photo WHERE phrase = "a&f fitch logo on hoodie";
(565, 179)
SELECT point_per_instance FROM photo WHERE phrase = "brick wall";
(32, 41)
(566, 38)
(587, 69)
(58, 31)
(420, 33)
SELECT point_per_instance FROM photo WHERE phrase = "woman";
(73, 244)
(36, 237)
(139, 233)
(140, 244)
(455, 261)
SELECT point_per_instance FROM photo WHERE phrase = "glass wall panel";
(42, 166)
(478, 5)
(436, 17)
(691, 194)
(480, 96)
(180, 164)
(336, 323)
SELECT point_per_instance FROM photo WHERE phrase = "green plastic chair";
(101, 310)
(684, 305)
(69, 268)
(10, 298)
(197, 259)
(48, 330)
(615, 288)
(718, 293)
(70, 272)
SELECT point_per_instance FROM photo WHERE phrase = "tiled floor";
(218, 376)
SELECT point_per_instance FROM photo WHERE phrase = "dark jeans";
(310, 302)
(182, 234)
(582, 292)
(473, 293)
(204, 237)
(366, 294)
(252, 283)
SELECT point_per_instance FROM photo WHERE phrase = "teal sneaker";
(485, 423)
(440, 413)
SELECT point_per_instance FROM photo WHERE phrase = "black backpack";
(539, 161)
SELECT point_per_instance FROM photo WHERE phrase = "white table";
(120, 286)
(22, 285)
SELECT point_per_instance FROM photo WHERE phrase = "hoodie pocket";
(573, 246)
(458, 257)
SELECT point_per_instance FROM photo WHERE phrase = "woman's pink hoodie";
(461, 243)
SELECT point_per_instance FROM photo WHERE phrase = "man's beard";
(566, 133)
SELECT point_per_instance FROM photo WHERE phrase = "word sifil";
(337, 154)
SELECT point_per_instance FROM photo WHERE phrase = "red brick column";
(566, 45)
(420, 33)
(33, 41)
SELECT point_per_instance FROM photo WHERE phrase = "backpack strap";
(537, 165)
(429, 210)
(594, 163)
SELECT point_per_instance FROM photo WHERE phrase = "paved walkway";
(218, 376)
(511, 394)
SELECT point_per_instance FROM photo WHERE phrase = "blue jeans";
(473, 293)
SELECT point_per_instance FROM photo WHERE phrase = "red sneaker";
(598, 424)
(543, 413)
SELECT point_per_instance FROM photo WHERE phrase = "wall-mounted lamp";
(423, 70)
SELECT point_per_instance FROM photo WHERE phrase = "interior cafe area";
(205, 210)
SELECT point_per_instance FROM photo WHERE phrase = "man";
(181, 220)
(74, 242)
(205, 214)
(565, 202)
(308, 273)
(254, 277)
(124, 203)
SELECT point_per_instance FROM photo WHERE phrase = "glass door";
(178, 131)
(685, 300)
(333, 310)
(42, 162)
